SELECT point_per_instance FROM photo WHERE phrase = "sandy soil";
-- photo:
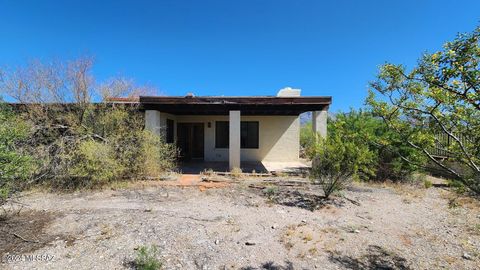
(249, 226)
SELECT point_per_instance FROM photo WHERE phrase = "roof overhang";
(222, 105)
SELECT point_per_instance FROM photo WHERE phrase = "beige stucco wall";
(152, 121)
(163, 123)
(234, 143)
(279, 137)
(319, 122)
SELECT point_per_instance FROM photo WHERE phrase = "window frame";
(227, 135)
(217, 138)
(248, 124)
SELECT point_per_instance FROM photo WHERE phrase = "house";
(235, 129)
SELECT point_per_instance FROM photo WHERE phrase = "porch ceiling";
(247, 105)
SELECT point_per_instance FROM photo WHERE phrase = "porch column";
(152, 121)
(234, 140)
(319, 122)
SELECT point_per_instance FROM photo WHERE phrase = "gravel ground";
(243, 226)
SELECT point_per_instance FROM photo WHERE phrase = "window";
(170, 128)
(221, 134)
(248, 134)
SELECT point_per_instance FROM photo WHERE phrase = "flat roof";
(217, 105)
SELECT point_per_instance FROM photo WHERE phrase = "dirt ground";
(251, 224)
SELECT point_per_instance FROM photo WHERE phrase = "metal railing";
(443, 142)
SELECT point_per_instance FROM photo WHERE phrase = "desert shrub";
(427, 183)
(95, 162)
(146, 258)
(112, 146)
(74, 141)
(208, 172)
(270, 192)
(236, 172)
(387, 154)
(140, 153)
(15, 165)
(337, 162)
(156, 155)
(307, 140)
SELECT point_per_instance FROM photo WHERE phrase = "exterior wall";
(319, 122)
(234, 154)
(152, 121)
(156, 122)
(279, 137)
(163, 124)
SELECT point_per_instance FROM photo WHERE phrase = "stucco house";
(234, 129)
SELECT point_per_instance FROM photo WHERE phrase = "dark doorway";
(170, 134)
(190, 140)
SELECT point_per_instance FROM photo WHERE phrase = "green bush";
(386, 153)
(337, 161)
(146, 258)
(95, 162)
(157, 156)
(427, 183)
(270, 192)
(15, 166)
(307, 140)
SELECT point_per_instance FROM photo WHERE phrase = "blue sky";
(235, 47)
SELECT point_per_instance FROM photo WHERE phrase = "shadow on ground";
(375, 258)
(197, 167)
(271, 266)
(25, 232)
(301, 199)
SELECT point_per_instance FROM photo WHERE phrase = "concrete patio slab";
(197, 167)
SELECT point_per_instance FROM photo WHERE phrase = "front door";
(190, 140)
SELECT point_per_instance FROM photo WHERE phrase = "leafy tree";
(438, 98)
(14, 165)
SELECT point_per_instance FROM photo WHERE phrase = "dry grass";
(461, 200)
(313, 251)
(306, 240)
(209, 173)
(410, 192)
(236, 173)
(106, 232)
(307, 237)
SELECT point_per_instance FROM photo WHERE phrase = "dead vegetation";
(375, 258)
(25, 232)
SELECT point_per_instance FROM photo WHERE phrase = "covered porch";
(223, 133)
